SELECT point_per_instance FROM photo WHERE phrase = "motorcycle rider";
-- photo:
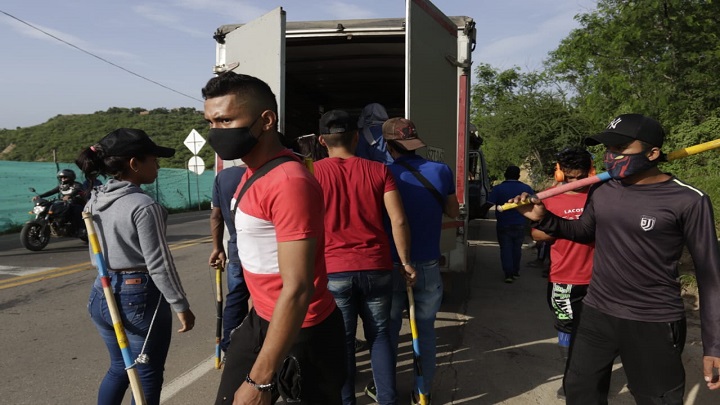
(71, 192)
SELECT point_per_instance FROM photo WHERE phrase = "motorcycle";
(53, 218)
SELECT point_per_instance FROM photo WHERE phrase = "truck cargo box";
(417, 67)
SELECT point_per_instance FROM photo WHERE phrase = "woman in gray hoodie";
(131, 228)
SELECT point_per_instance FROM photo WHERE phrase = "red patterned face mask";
(621, 165)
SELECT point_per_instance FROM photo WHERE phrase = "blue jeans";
(367, 293)
(428, 291)
(510, 238)
(136, 297)
(236, 302)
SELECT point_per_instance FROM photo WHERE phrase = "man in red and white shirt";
(293, 338)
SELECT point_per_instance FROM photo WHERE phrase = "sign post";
(195, 142)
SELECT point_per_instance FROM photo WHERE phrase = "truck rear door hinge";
(453, 61)
(217, 69)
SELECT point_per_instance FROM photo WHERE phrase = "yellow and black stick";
(417, 360)
(680, 153)
(122, 340)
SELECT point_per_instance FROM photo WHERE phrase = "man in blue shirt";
(424, 208)
(236, 301)
(511, 225)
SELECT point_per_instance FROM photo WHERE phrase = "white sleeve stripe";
(688, 186)
(172, 274)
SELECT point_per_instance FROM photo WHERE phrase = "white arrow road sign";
(194, 142)
(196, 164)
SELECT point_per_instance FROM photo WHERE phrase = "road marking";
(187, 378)
(692, 394)
(518, 346)
(55, 272)
(44, 275)
(22, 271)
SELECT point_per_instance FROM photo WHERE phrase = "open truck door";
(256, 49)
(415, 66)
(436, 100)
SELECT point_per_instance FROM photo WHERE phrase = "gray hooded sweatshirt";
(131, 227)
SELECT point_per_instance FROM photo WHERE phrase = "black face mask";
(233, 143)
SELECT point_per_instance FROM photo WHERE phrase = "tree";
(656, 57)
(69, 134)
(524, 119)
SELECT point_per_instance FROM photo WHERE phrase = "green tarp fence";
(174, 188)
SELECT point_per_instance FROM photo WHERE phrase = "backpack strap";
(263, 170)
(425, 182)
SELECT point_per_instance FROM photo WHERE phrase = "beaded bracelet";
(260, 387)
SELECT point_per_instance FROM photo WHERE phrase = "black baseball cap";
(336, 122)
(132, 142)
(628, 127)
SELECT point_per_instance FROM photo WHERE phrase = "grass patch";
(688, 282)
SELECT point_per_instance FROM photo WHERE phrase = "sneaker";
(371, 391)
(509, 280)
(516, 276)
(360, 345)
(561, 393)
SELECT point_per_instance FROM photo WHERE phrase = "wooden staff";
(680, 153)
(122, 340)
(422, 393)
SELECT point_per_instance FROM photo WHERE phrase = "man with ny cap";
(428, 192)
(640, 220)
(357, 192)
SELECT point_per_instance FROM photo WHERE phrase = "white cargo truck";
(418, 67)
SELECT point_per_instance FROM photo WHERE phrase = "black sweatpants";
(650, 354)
(565, 300)
(315, 368)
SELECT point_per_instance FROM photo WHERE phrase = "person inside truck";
(357, 249)
(427, 189)
(293, 339)
(371, 144)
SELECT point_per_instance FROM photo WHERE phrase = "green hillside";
(69, 134)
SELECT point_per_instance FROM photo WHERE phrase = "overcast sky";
(170, 42)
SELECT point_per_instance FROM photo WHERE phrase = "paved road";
(51, 353)
(496, 342)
